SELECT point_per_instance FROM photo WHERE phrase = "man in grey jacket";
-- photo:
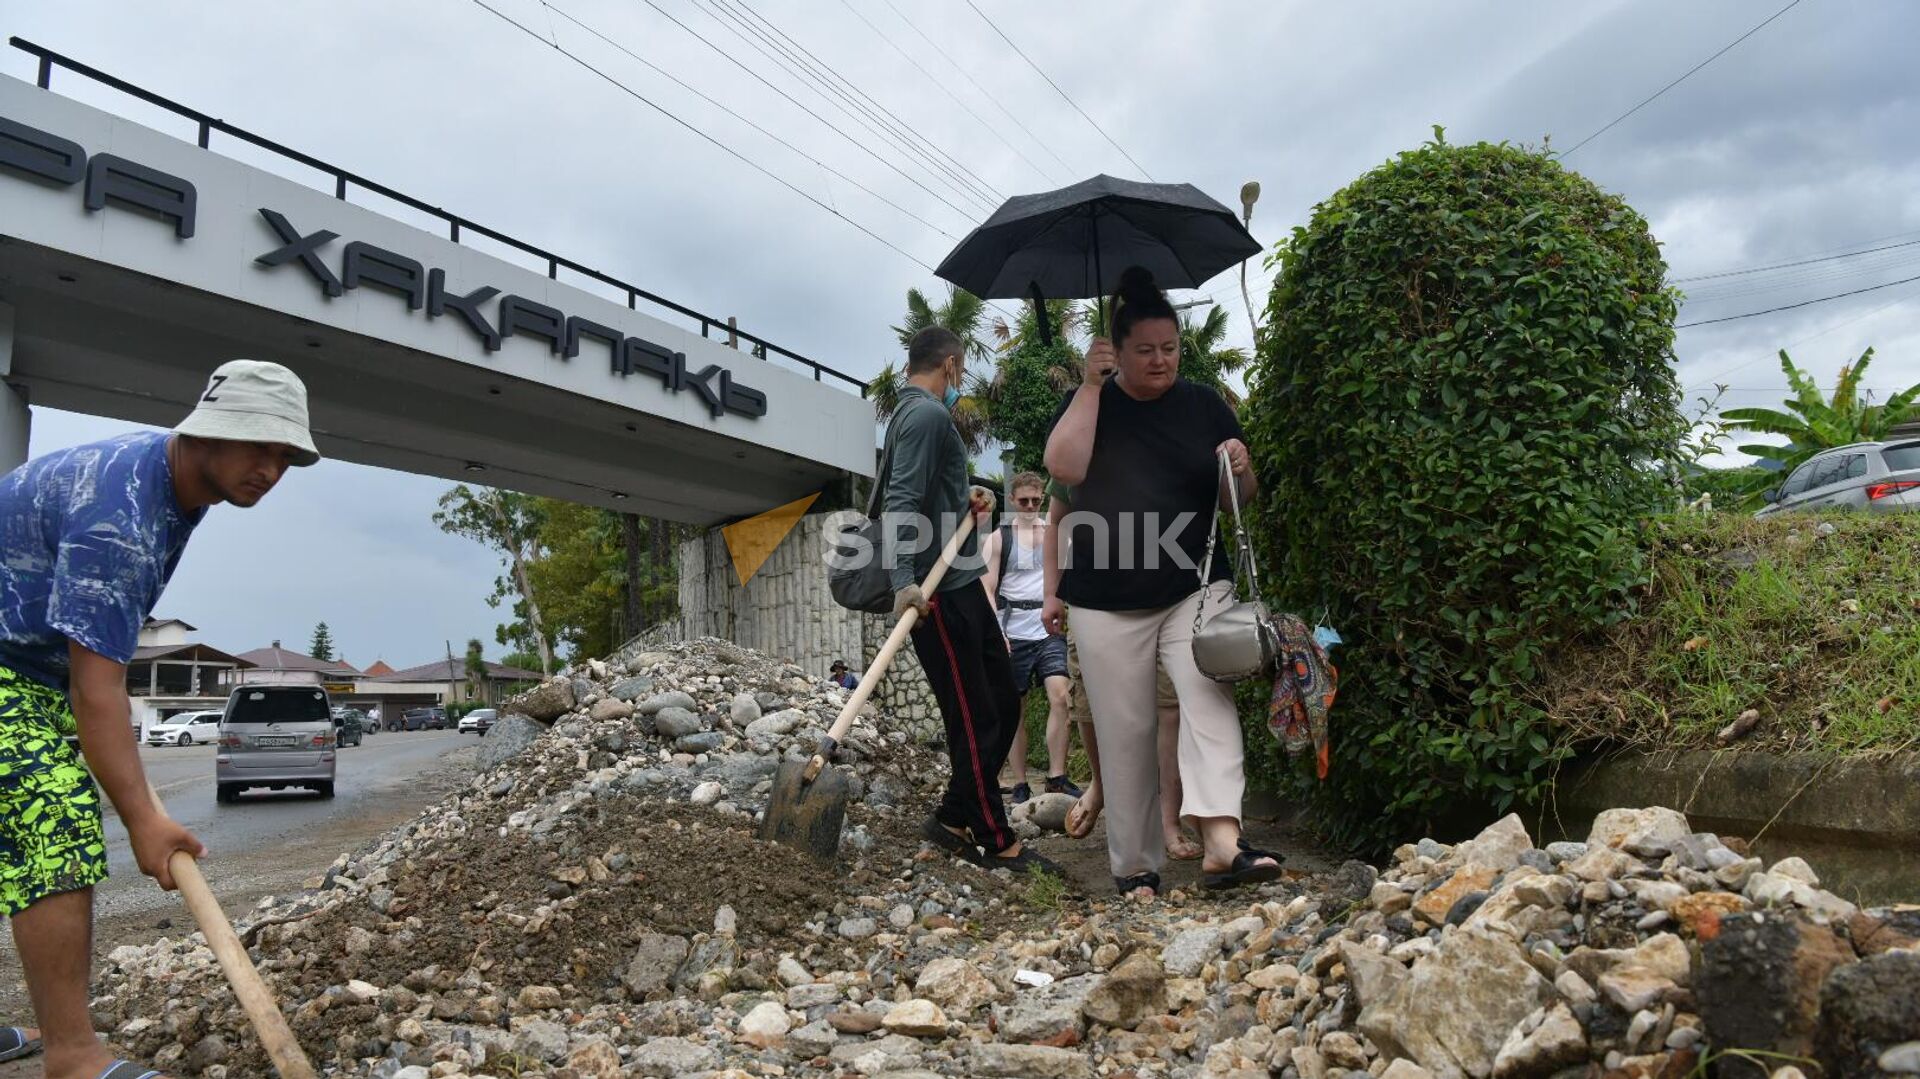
(957, 637)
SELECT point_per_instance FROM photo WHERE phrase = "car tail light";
(230, 741)
(1878, 491)
(321, 741)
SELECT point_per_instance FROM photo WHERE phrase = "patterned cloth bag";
(1304, 685)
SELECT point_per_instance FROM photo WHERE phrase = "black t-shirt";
(1152, 461)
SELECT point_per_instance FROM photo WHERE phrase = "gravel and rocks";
(596, 903)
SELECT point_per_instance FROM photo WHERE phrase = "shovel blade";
(807, 816)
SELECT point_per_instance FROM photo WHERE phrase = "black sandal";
(957, 845)
(1246, 869)
(1130, 885)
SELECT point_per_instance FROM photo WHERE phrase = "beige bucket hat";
(254, 401)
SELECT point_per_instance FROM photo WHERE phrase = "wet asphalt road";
(370, 778)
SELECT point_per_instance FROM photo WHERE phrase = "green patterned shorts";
(51, 839)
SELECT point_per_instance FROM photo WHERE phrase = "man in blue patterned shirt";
(88, 538)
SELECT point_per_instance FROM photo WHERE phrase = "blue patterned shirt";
(88, 538)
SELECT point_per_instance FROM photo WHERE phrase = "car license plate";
(269, 740)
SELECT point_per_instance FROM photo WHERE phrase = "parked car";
(349, 726)
(275, 737)
(424, 719)
(478, 721)
(1880, 477)
(185, 729)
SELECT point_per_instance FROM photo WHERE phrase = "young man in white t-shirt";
(1015, 583)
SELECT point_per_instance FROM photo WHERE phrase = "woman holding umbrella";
(1141, 451)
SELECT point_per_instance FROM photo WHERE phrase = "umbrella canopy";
(1075, 243)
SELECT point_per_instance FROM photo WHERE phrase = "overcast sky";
(1796, 144)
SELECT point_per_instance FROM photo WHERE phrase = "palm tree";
(962, 313)
(1811, 423)
(1065, 317)
(1202, 358)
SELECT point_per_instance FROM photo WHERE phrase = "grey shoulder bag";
(860, 580)
(1238, 642)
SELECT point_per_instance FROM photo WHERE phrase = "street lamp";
(1249, 194)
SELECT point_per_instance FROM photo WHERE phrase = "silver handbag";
(1239, 642)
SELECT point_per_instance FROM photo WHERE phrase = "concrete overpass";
(132, 262)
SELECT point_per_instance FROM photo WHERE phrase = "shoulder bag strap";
(1244, 547)
(886, 468)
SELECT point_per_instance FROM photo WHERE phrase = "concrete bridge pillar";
(16, 422)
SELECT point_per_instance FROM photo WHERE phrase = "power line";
(742, 158)
(955, 98)
(1802, 303)
(828, 124)
(1789, 265)
(1063, 94)
(1791, 345)
(1690, 73)
(730, 112)
(908, 129)
(787, 63)
(912, 140)
(988, 94)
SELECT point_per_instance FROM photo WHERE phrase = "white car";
(185, 729)
(478, 721)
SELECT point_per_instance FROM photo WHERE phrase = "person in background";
(956, 636)
(1016, 584)
(1141, 452)
(1086, 811)
(91, 535)
(840, 676)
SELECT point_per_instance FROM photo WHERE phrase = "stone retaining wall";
(787, 611)
(1856, 819)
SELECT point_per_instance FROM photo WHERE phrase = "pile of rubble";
(595, 904)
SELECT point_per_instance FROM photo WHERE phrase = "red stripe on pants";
(966, 722)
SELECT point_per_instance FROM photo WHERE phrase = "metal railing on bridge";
(343, 181)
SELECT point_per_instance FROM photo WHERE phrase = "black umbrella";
(1075, 243)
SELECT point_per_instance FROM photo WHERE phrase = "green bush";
(1031, 382)
(1460, 412)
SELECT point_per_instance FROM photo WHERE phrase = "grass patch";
(1044, 890)
(1814, 622)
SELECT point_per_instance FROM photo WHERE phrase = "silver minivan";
(275, 737)
(1880, 477)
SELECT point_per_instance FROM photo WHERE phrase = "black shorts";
(1036, 661)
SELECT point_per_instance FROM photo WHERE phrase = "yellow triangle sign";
(752, 541)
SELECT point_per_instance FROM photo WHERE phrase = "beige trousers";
(1117, 651)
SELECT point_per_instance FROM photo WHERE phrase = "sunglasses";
(1030, 502)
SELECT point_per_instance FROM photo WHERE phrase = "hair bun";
(1136, 282)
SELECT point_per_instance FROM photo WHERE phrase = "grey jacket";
(927, 479)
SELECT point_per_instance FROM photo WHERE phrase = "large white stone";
(1635, 830)
(1498, 846)
(765, 1026)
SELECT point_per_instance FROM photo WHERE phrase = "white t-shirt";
(1024, 580)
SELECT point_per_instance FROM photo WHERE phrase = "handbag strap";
(1243, 546)
(886, 468)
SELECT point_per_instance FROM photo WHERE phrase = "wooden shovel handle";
(884, 658)
(255, 999)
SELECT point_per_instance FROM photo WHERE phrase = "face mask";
(951, 399)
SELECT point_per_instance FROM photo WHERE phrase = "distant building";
(378, 670)
(283, 666)
(447, 679)
(170, 673)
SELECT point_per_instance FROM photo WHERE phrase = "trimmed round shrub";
(1461, 411)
